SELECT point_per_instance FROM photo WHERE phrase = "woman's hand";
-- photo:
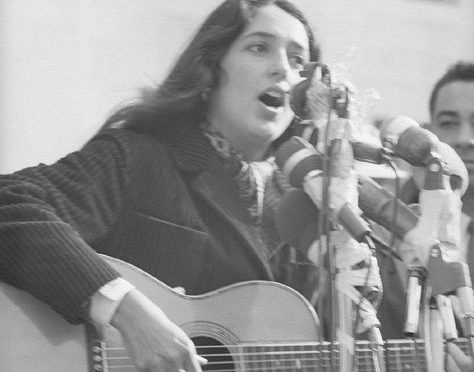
(154, 342)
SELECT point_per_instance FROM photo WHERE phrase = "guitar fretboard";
(400, 356)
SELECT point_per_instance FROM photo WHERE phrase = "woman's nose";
(281, 67)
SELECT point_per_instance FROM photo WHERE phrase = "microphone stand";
(344, 328)
(340, 305)
(328, 222)
(443, 278)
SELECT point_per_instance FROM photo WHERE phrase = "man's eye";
(448, 124)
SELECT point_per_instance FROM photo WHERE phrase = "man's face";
(453, 120)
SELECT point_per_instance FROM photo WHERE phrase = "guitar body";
(35, 338)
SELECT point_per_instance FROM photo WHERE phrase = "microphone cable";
(325, 228)
(392, 243)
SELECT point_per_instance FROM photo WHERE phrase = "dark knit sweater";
(165, 205)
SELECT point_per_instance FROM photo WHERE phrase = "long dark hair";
(180, 98)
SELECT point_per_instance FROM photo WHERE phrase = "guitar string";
(367, 350)
(319, 362)
(361, 361)
(404, 345)
(393, 350)
(299, 367)
(277, 363)
(361, 353)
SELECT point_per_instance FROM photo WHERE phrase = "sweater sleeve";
(49, 216)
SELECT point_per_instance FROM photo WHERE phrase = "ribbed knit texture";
(50, 214)
(134, 197)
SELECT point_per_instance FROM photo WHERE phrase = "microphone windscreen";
(379, 205)
(408, 140)
(298, 98)
(298, 93)
(455, 167)
(297, 220)
(296, 158)
(368, 152)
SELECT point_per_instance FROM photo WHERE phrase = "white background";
(66, 64)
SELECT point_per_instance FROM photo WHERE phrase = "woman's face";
(250, 105)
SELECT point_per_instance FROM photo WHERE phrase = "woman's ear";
(205, 93)
(208, 81)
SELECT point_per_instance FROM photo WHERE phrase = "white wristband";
(107, 299)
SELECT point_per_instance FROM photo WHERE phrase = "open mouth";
(272, 99)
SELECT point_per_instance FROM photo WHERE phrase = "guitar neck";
(402, 355)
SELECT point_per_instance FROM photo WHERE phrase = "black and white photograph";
(236, 185)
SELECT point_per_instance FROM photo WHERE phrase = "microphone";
(453, 166)
(302, 165)
(407, 140)
(378, 204)
(297, 222)
(298, 96)
(416, 278)
(313, 97)
(417, 233)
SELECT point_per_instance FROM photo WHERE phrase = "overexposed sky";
(66, 64)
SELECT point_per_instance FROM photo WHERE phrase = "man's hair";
(460, 71)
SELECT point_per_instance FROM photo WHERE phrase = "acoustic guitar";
(254, 326)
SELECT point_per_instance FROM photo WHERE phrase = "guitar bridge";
(95, 350)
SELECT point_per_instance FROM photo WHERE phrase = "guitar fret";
(405, 355)
(330, 354)
(364, 360)
(309, 356)
(240, 359)
(300, 357)
(401, 356)
(463, 345)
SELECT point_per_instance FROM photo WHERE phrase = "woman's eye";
(297, 62)
(258, 47)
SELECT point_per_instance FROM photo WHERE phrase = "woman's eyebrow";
(268, 35)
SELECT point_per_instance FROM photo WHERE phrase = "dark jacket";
(165, 205)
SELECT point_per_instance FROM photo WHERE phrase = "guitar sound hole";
(218, 356)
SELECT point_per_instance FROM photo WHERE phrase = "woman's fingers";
(154, 342)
